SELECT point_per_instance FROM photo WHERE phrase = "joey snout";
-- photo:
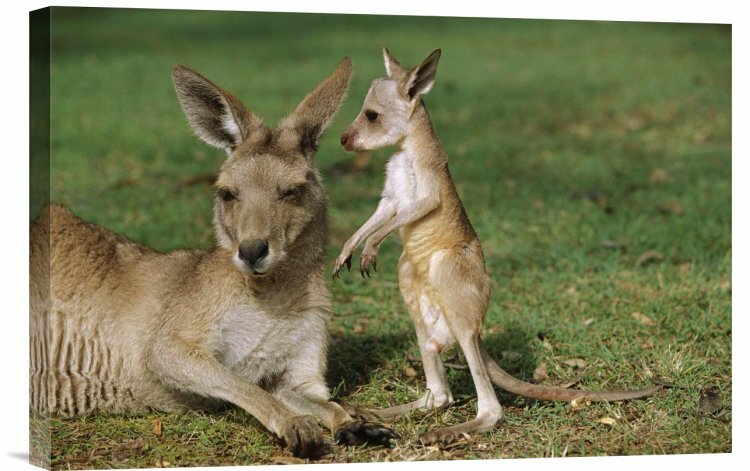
(348, 138)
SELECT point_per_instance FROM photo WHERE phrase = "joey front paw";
(303, 437)
(358, 433)
(344, 259)
(368, 260)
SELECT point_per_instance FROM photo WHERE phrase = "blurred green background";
(593, 158)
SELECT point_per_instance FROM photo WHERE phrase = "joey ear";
(393, 68)
(216, 116)
(303, 127)
(419, 81)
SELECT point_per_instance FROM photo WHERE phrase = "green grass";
(562, 136)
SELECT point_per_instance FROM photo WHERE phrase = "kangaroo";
(117, 327)
(441, 272)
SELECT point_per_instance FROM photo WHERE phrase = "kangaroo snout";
(253, 252)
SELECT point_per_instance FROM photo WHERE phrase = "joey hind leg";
(489, 410)
(464, 301)
(438, 393)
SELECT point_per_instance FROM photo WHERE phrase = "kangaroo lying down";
(441, 272)
(118, 327)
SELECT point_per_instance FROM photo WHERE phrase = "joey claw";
(339, 264)
(365, 262)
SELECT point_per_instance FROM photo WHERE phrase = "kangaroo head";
(269, 196)
(386, 114)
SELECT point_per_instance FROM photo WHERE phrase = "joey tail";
(514, 385)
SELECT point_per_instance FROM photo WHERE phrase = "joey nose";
(253, 251)
(347, 139)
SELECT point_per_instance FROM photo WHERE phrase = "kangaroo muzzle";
(253, 253)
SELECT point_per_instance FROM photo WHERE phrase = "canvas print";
(277, 238)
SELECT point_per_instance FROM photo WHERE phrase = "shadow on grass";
(352, 359)
(355, 360)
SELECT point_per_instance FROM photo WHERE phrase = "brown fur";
(118, 327)
(442, 274)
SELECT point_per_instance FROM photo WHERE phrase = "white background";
(14, 193)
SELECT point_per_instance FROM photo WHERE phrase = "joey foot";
(359, 414)
(303, 437)
(358, 433)
(440, 436)
(447, 435)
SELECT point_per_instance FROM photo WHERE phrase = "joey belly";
(426, 303)
(439, 333)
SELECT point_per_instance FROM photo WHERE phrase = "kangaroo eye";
(227, 195)
(371, 115)
(293, 194)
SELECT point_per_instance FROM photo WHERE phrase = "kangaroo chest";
(259, 344)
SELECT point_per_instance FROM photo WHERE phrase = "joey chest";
(401, 182)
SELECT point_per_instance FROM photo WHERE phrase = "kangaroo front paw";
(358, 433)
(303, 437)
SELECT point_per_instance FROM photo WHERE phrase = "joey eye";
(371, 115)
(227, 195)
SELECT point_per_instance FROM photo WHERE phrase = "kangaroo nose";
(253, 251)
(344, 138)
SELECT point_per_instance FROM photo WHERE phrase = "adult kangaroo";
(118, 327)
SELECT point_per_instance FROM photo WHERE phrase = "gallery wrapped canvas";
(192, 183)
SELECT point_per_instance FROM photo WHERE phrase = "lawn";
(593, 159)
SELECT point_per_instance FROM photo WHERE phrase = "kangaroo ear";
(419, 81)
(216, 116)
(393, 68)
(303, 127)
